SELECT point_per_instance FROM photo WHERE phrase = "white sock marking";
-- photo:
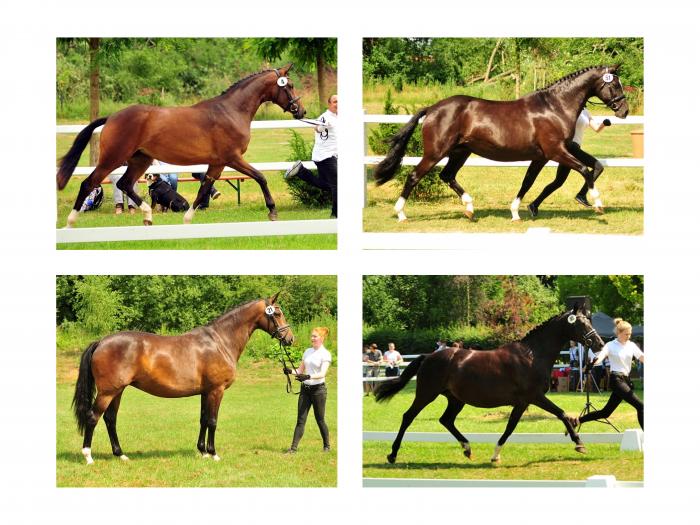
(72, 217)
(189, 215)
(514, 209)
(87, 455)
(595, 193)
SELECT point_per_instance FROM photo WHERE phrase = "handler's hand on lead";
(286, 370)
(302, 377)
(606, 122)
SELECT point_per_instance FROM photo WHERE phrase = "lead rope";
(283, 353)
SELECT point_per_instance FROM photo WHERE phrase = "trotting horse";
(537, 127)
(515, 374)
(201, 362)
(214, 132)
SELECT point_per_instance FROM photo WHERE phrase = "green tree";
(319, 52)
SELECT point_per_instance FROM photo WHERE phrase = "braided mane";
(570, 76)
(243, 81)
(542, 325)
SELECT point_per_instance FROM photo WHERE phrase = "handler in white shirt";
(312, 375)
(324, 155)
(620, 352)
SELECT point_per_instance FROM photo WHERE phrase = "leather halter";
(280, 330)
(292, 105)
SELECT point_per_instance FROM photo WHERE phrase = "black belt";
(619, 374)
(313, 387)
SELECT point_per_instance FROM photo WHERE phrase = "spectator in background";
(170, 178)
(392, 360)
(441, 345)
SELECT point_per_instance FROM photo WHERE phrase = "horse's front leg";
(239, 164)
(569, 422)
(212, 175)
(530, 176)
(213, 402)
(563, 156)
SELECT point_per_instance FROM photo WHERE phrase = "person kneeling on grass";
(324, 155)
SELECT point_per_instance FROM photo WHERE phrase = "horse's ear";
(614, 68)
(273, 299)
(286, 69)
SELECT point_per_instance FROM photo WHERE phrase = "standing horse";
(515, 374)
(201, 362)
(214, 132)
(537, 127)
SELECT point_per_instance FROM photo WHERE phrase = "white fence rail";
(591, 482)
(195, 231)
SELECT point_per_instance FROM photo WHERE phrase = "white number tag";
(607, 78)
(270, 310)
(571, 319)
(282, 81)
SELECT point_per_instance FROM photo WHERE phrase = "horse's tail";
(70, 160)
(386, 169)
(84, 388)
(389, 389)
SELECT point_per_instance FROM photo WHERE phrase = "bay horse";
(200, 362)
(538, 127)
(515, 374)
(215, 131)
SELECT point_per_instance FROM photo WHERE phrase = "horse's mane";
(534, 331)
(234, 311)
(240, 83)
(569, 77)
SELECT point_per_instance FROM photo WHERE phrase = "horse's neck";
(545, 344)
(234, 330)
(572, 95)
(247, 99)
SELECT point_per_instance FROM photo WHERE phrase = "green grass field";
(266, 145)
(255, 427)
(518, 461)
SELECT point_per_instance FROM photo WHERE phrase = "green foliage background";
(414, 311)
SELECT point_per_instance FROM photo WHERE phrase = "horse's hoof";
(124, 457)
(495, 461)
(216, 457)
(599, 210)
(468, 454)
(469, 215)
(516, 220)
(146, 222)
(205, 455)
(581, 449)
(391, 459)
(272, 215)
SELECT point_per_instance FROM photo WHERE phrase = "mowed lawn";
(518, 461)
(255, 427)
(494, 188)
(266, 146)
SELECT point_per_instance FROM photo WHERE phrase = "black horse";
(515, 374)
(537, 127)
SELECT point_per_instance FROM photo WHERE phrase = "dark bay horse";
(201, 362)
(537, 127)
(515, 374)
(214, 132)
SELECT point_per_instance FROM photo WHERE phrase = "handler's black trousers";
(622, 390)
(327, 179)
(563, 174)
(313, 395)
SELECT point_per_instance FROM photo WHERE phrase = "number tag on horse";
(607, 78)
(571, 319)
(270, 310)
(282, 81)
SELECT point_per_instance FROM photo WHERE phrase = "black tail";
(84, 388)
(388, 389)
(70, 160)
(386, 169)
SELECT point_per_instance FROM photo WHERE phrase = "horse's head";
(580, 329)
(608, 88)
(272, 320)
(284, 95)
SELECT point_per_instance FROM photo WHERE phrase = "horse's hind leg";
(212, 175)
(591, 162)
(419, 403)
(137, 166)
(513, 420)
(456, 160)
(454, 407)
(91, 182)
(423, 167)
(530, 176)
(110, 418)
(241, 165)
(102, 401)
(563, 156)
(569, 423)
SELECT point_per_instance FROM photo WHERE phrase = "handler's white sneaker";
(293, 171)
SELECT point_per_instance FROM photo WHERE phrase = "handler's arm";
(322, 373)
